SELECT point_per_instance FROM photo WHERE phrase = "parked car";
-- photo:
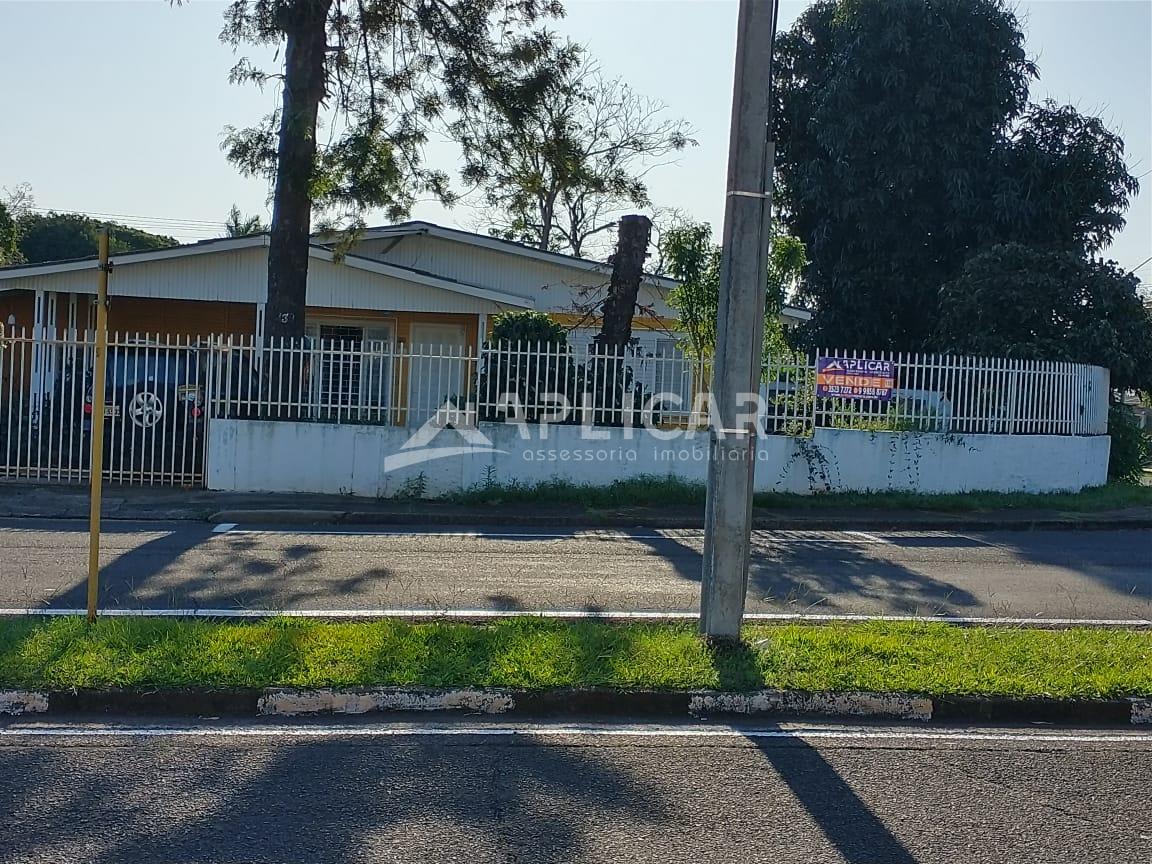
(154, 410)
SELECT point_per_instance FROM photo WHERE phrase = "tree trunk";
(305, 24)
(615, 395)
(627, 273)
(547, 217)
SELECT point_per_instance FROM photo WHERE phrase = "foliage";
(527, 327)
(694, 260)
(9, 238)
(1016, 301)
(1131, 450)
(557, 175)
(886, 657)
(392, 70)
(906, 144)
(238, 225)
(386, 72)
(1062, 181)
(62, 236)
(527, 357)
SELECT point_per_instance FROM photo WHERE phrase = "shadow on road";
(242, 571)
(818, 576)
(317, 802)
(842, 816)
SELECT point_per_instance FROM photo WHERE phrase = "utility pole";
(739, 327)
(96, 465)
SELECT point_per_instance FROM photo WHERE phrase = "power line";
(195, 228)
(173, 220)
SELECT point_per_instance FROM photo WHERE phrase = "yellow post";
(97, 464)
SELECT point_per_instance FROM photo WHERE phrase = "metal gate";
(155, 407)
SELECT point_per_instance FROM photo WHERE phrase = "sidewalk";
(49, 501)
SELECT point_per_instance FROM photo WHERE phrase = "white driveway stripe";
(549, 731)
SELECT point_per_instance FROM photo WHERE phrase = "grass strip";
(653, 491)
(930, 658)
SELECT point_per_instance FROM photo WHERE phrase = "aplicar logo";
(449, 418)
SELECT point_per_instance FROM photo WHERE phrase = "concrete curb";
(837, 522)
(583, 702)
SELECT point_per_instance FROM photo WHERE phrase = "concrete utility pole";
(739, 326)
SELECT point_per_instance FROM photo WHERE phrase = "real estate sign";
(851, 378)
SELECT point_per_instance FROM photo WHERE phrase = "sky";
(118, 108)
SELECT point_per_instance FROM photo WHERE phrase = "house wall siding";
(555, 287)
(237, 276)
(19, 304)
(180, 317)
(345, 287)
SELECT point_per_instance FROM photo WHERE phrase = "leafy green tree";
(694, 260)
(1062, 182)
(9, 238)
(386, 71)
(62, 236)
(906, 144)
(239, 225)
(1018, 301)
(560, 174)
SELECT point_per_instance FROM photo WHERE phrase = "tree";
(624, 285)
(694, 260)
(61, 236)
(561, 174)
(906, 144)
(238, 225)
(1063, 181)
(385, 70)
(16, 203)
(9, 239)
(1018, 301)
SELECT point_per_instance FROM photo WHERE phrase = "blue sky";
(119, 107)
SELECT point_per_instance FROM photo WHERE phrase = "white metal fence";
(155, 407)
(354, 381)
(164, 391)
(944, 393)
(381, 382)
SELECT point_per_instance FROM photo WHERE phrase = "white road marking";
(798, 617)
(853, 538)
(15, 730)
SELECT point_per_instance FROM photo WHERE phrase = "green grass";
(645, 491)
(653, 491)
(931, 658)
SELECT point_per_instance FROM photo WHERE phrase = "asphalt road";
(394, 793)
(1089, 574)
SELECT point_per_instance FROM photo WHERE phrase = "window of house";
(353, 376)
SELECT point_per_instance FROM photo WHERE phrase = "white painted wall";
(275, 456)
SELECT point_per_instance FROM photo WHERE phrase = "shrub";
(1131, 446)
(528, 328)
